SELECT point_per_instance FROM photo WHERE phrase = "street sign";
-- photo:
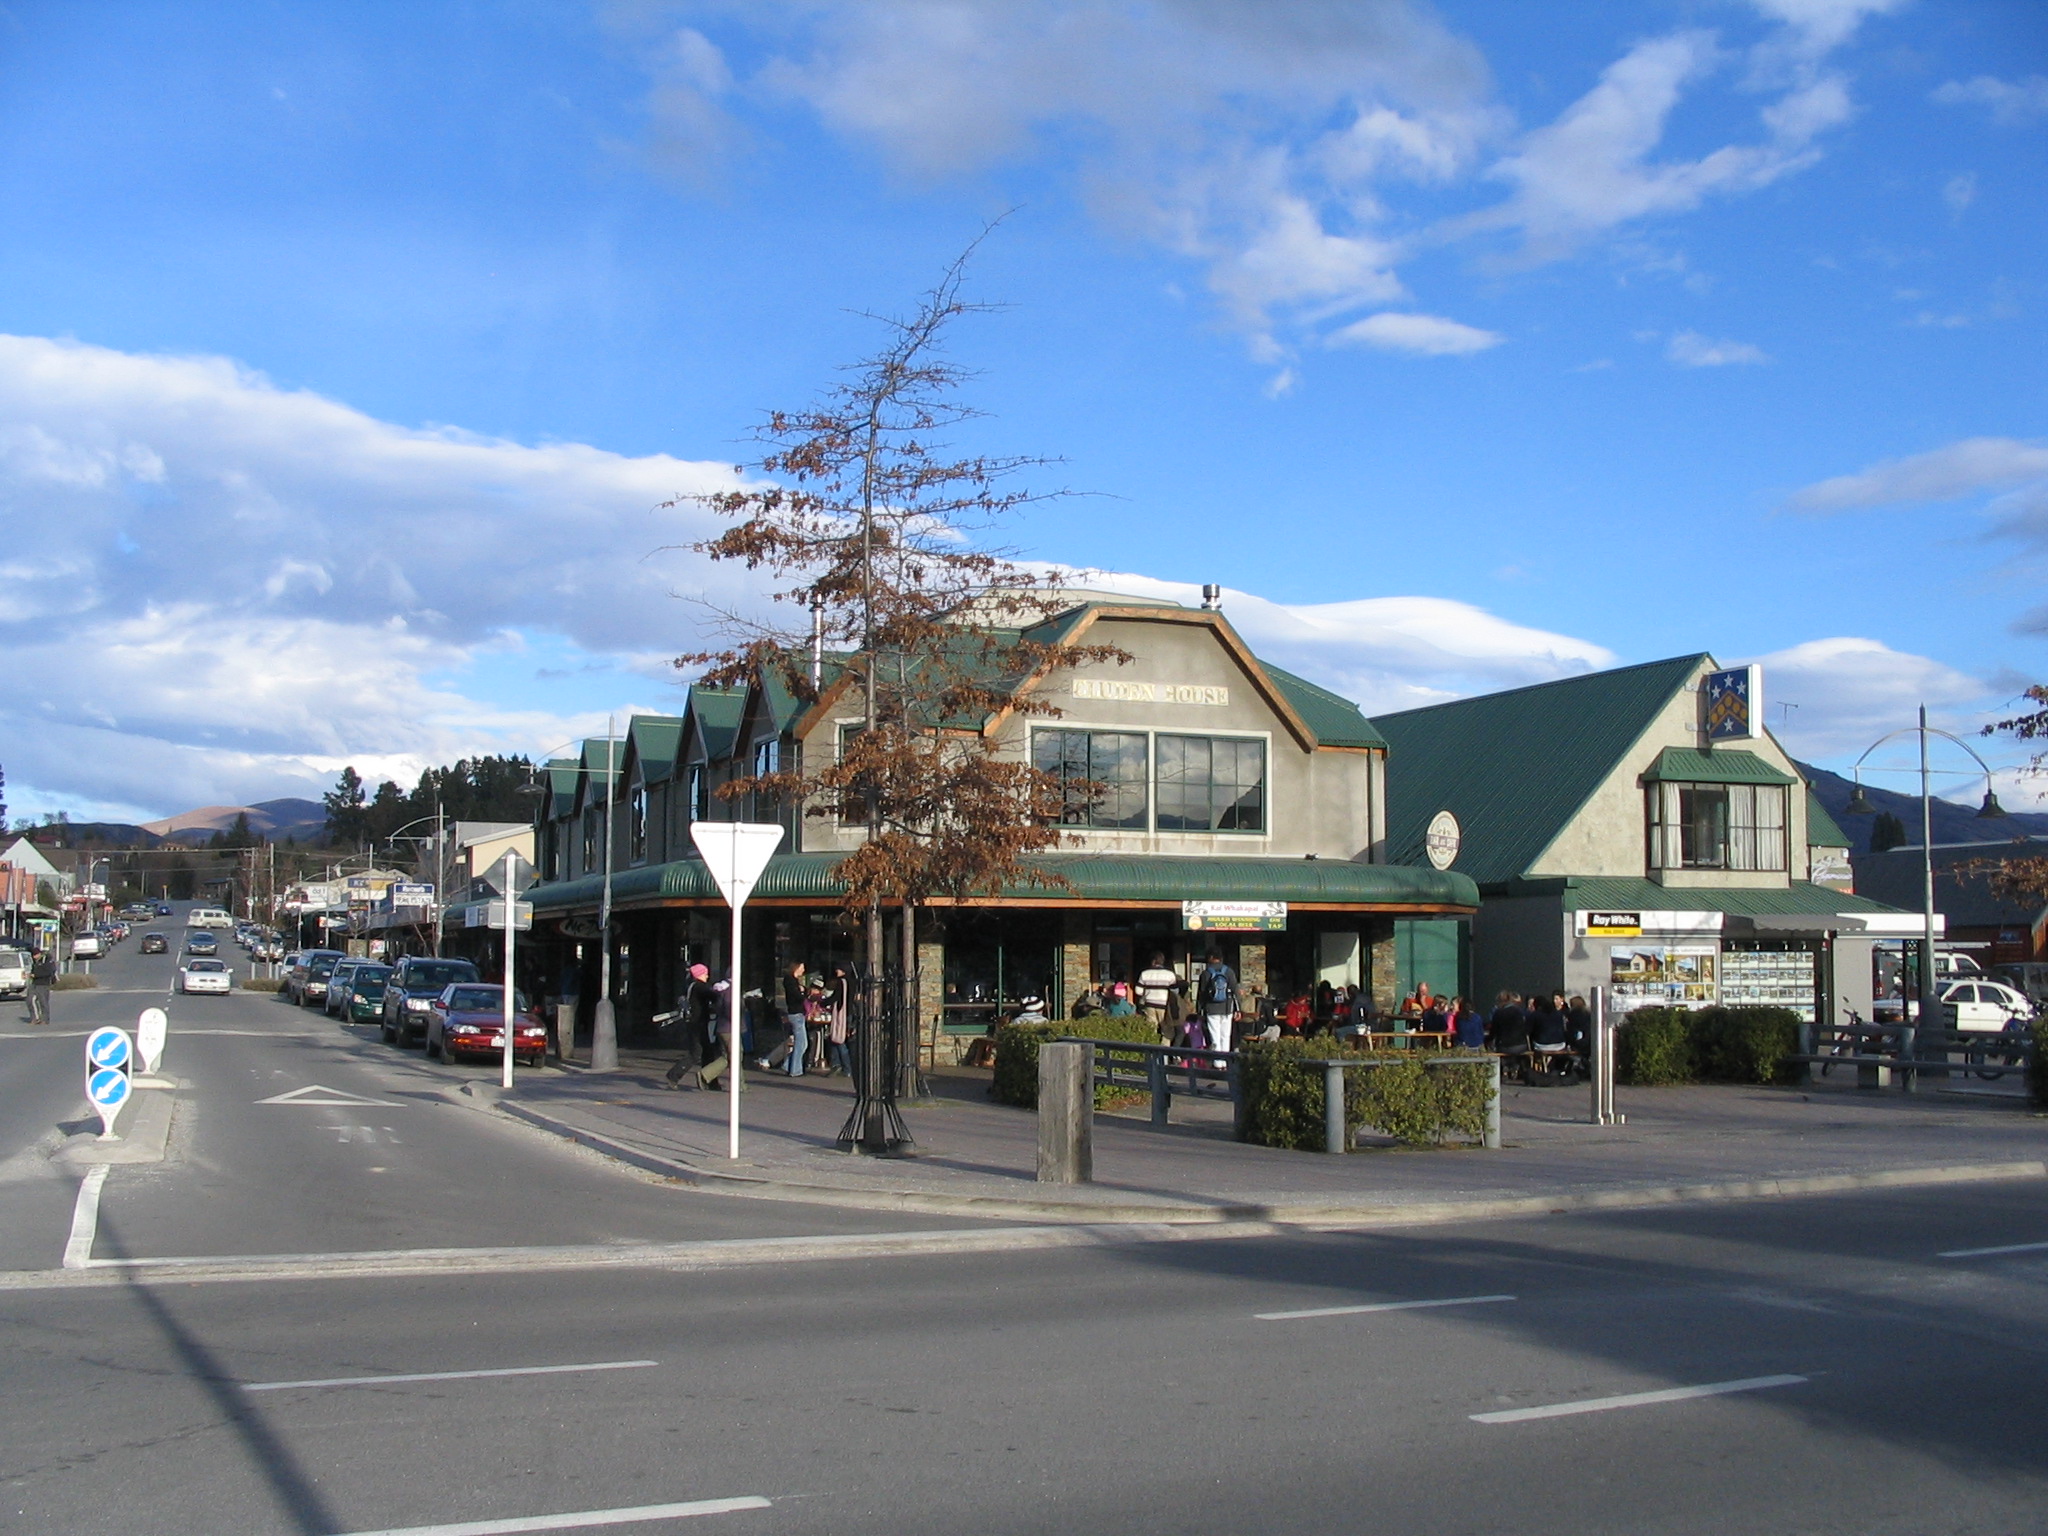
(735, 852)
(150, 1030)
(410, 895)
(108, 1055)
(491, 914)
(512, 875)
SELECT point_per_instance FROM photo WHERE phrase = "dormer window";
(636, 819)
(1717, 826)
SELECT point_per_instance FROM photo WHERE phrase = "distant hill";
(274, 819)
(1953, 823)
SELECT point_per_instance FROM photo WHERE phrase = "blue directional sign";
(109, 1090)
(108, 1047)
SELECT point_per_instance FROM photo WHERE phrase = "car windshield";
(368, 983)
(207, 965)
(440, 973)
(323, 967)
(475, 999)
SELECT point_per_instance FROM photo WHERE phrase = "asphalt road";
(1878, 1386)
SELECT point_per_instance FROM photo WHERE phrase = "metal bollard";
(1066, 1113)
(1155, 1078)
(1492, 1139)
(1334, 1137)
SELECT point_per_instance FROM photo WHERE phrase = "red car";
(468, 1019)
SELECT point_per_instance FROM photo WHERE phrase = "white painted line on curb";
(1635, 1400)
(1982, 1253)
(1377, 1306)
(85, 1219)
(581, 1521)
(380, 1381)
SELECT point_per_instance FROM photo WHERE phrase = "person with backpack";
(42, 976)
(1216, 999)
(694, 1010)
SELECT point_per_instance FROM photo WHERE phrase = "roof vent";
(1212, 595)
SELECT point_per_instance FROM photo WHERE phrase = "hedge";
(1016, 1076)
(1656, 1046)
(264, 984)
(1414, 1103)
(74, 981)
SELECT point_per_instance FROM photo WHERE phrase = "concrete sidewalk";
(974, 1157)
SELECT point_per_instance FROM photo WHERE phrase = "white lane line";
(515, 1370)
(1982, 1253)
(1377, 1306)
(583, 1520)
(85, 1219)
(1635, 1400)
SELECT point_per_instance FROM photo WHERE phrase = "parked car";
(301, 970)
(409, 995)
(154, 944)
(201, 943)
(1984, 1005)
(87, 946)
(319, 969)
(365, 1003)
(338, 985)
(468, 1019)
(15, 965)
(205, 976)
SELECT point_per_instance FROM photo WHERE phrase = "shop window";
(1717, 826)
(1114, 762)
(1211, 784)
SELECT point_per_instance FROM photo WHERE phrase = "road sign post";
(513, 875)
(150, 1031)
(109, 1054)
(735, 852)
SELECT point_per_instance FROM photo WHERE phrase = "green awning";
(1095, 878)
(1682, 765)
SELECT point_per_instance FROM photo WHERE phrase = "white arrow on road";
(318, 1096)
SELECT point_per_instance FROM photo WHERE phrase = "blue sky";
(348, 349)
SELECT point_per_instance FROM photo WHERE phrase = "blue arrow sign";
(108, 1047)
(109, 1088)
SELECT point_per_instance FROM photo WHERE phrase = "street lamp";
(1859, 805)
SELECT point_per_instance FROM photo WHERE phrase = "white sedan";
(203, 975)
(1984, 1005)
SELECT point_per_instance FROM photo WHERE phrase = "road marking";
(85, 1219)
(516, 1370)
(582, 1521)
(1635, 1400)
(1983, 1253)
(1377, 1306)
(334, 1098)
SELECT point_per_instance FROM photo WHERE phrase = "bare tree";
(873, 530)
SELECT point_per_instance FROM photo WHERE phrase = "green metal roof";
(654, 739)
(1096, 877)
(1683, 765)
(1515, 767)
(562, 773)
(1822, 830)
(1334, 721)
(1609, 893)
(598, 751)
(718, 713)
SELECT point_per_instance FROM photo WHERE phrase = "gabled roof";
(563, 774)
(653, 741)
(1515, 767)
(717, 714)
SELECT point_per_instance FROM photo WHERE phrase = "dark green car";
(365, 1003)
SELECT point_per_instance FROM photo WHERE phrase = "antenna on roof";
(1212, 595)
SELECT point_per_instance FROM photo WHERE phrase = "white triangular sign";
(307, 1094)
(736, 852)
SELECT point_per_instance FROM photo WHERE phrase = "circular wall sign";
(1443, 839)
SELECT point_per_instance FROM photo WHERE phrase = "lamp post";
(1859, 805)
(604, 1028)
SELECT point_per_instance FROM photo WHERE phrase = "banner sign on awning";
(1234, 916)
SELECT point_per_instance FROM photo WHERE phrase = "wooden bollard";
(1066, 1114)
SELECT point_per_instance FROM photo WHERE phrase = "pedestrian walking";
(694, 1008)
(1217, 996)
(1157, 984)
(839, 1003)
(42, 976)
(710, 1075)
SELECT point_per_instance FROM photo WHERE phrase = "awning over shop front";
(1093, 880)
(1798, 907)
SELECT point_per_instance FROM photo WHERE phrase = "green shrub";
(2037, 1067)
(74, 981)
(1414, 1103)
(1744, 1045)
(1653, 1046)
(1016, 1072)
(264, 984)
(1659, 1046)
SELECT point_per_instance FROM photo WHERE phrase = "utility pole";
(604, 1027)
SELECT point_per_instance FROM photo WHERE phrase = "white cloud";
(1959, 192)
(2014, 103)
(1427, 335)
(1689, 349)
(1960, 469)
(1848, 691)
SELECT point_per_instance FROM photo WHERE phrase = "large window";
(1717, 826)
(1114, 761)
(636, 816)
(700, 792)
(1211, 784)
(1158, 783)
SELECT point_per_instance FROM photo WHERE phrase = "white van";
(208, 917)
